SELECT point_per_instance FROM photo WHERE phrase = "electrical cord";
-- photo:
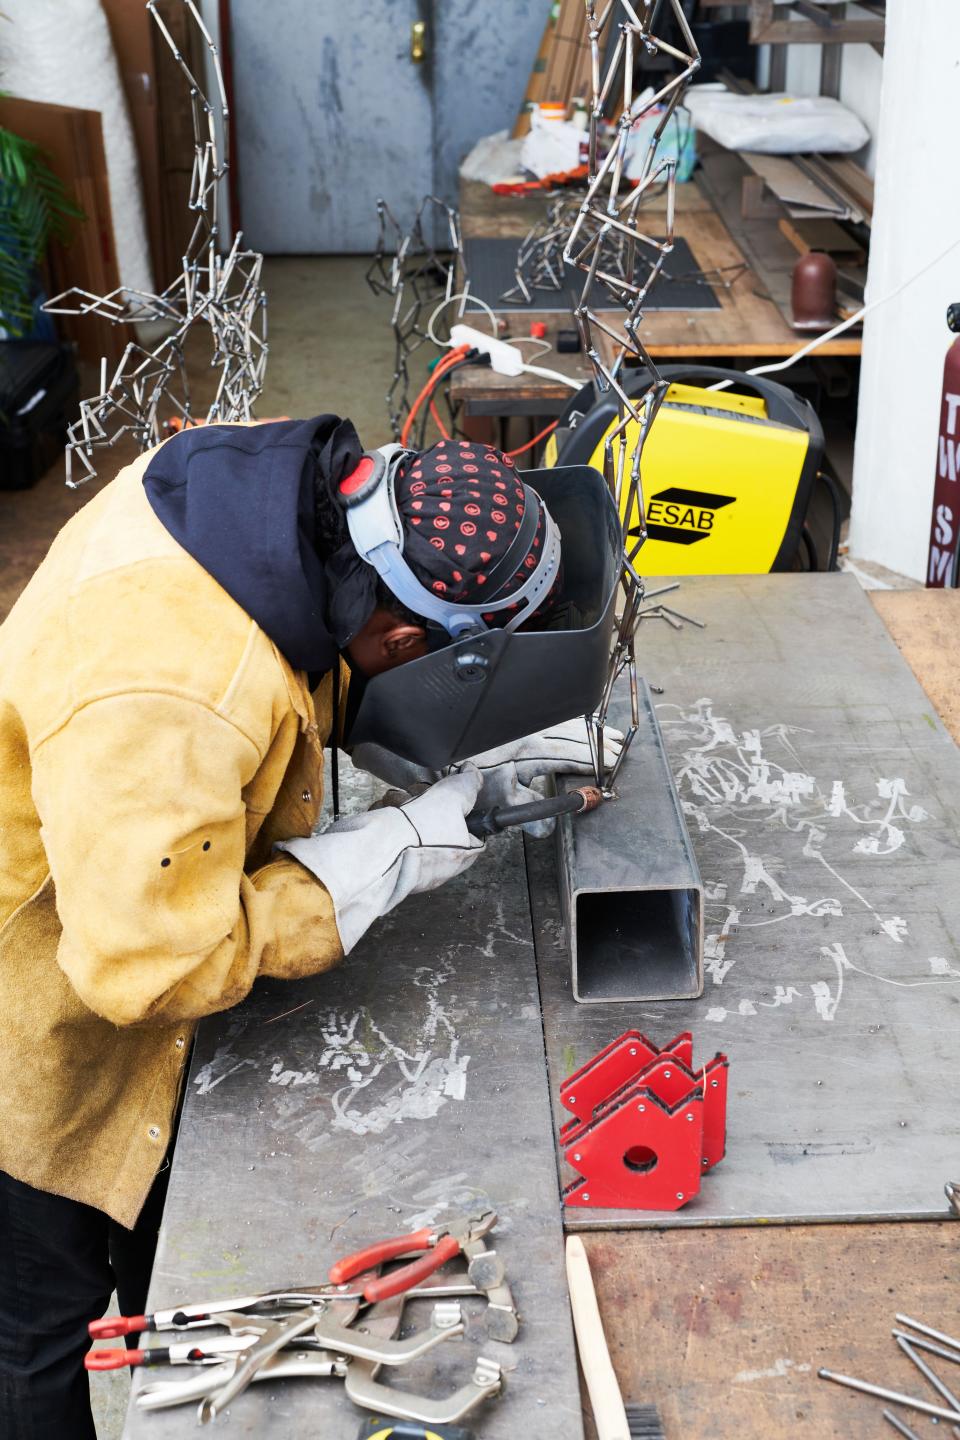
(833, 555)
(851, 320)
(562, 379)
(443, 365)
(463, 295)
(522, 449)
(439, 378)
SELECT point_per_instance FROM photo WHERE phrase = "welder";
(168, 681)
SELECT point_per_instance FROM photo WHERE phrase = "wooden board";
(73, 142)
(159, 101)
(926, 627)
(817, 234)
(364, 1102)
(801, 195)
(765, 29)
(724, 1331)
(561, 70)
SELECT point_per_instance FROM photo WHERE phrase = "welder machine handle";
(484, 823)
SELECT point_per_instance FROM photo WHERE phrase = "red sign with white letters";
(945, 521)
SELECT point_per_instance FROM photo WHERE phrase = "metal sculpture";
(221, 291)
(609, 214)
(419, 276)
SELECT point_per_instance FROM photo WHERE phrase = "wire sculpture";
(539, 263)
(610, 211)
(419, 276)
(221, 291)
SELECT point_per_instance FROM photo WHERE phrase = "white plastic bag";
(552, 147)
(775, 124)
(494, 159)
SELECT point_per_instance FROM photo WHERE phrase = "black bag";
(38, 400)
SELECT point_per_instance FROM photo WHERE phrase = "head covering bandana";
(461, 505)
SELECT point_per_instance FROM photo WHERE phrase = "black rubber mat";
(491, 264)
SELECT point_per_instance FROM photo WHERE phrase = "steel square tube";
(630, 887)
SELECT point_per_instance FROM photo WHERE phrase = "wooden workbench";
(752, 323)
(725, 1330)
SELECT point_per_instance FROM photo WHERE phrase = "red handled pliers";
(438, 1244)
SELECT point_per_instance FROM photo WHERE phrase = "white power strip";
(505, 359)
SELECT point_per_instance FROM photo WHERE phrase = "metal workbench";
(821, 793)
(323, 1114)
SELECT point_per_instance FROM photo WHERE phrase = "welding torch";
(484, 823)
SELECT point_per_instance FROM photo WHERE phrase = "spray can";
(945, 521)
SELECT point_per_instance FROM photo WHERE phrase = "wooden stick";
(605, 1399)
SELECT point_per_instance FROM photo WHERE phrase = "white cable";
(553, 375)
(545, 345)
(465, 296)
(844, 324)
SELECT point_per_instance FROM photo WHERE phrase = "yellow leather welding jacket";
(154, 744)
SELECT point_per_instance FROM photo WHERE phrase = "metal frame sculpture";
(611, 208)
(414, 272)
(222, 291)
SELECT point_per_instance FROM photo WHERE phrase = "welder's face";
(384, 643)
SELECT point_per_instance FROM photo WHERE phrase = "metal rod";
(928, 1330)
(921, 1344)
(882, 1393)
(899, 1426)
(942, 1390)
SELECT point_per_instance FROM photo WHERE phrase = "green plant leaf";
(35, 207)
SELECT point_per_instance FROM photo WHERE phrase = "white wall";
(917, 216)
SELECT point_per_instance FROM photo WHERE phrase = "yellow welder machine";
(728, 475)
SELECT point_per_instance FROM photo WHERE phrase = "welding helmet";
(481, 686)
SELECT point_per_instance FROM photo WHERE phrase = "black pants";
(59, 1263)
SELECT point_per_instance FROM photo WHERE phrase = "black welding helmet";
(482, 687)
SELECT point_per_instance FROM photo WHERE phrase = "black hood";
(241, 500)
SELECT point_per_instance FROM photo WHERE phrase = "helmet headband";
(376, 531)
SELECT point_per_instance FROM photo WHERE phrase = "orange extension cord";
(439, 370)
(427, 393)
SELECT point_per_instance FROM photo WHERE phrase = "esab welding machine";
(728, 475)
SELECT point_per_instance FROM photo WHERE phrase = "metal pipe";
(883, 1394)
(631, 894)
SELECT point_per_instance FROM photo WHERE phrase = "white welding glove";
(369, 863)
(506, 770)
(563, 749)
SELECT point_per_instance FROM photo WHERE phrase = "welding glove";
(507, 770)
(564, 749)
(369, 863)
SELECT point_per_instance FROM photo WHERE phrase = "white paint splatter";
(778, 1371)
(215, 1071)
(385, 1083)
(731, 785)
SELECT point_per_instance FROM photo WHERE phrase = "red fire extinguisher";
(945, 521)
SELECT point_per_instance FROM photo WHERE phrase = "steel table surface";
(822, 796)
(325, 1113)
